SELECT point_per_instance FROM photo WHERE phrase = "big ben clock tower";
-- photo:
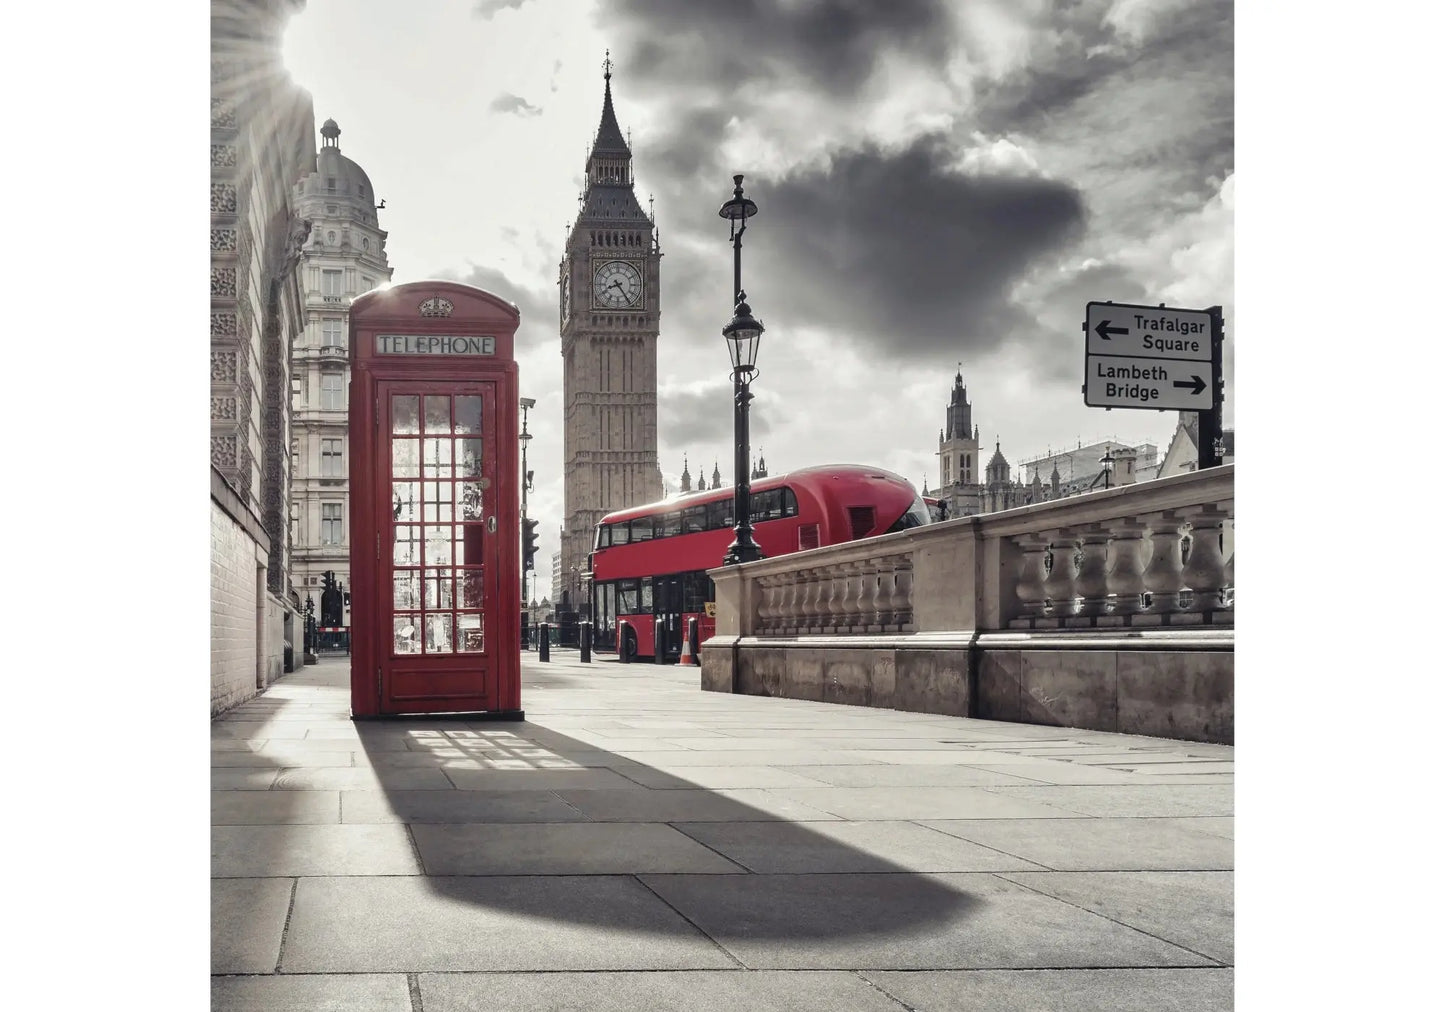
(608, 290)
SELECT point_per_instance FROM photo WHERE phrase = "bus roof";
(804, 476)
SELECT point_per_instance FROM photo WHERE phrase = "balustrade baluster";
(1059, 585)
(848, 605)
(786, 621)
(875, 599)
(809, 611)
(1029, 587)
(1091, 583)
(1162, 577)
(834, 619)
(1125, 576)
(1204, 572)
(902, 599)
(767, 603)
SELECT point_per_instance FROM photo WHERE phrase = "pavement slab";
(275, 808)
(791, 848)
(1097, 990)
(644, 805)
(248, 917)
(668, 991)
(1096, 844)
(716, 777)
(415, 924)
(1193, 909)
(361, 992)
(864, 803)
(588, 779)
(592, 848)
(881, 775)
(456, 807)
(1130, 800)
(903, 921)
(271, 851)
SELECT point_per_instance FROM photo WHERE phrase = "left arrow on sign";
(1194, 381)
(1104, 330)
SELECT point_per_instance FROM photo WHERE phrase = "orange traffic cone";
(687, 657)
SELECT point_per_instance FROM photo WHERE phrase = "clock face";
(617, 284)
(566, 296)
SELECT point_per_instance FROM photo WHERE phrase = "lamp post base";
(748, 552)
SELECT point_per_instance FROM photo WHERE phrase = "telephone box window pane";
(469, 458)
(469, 634)
(472, 535)
(438, 589)
(439, 546)
(406, 640)
(404, 458)
(438, 414)
(438, 502)
(470, 585)
(436, 458)
(406, 502)
(469, 497)
(439, 634)
(407, 590)
(469, 414)
(403, 414)
(407, 549)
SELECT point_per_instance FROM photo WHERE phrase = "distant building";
(968, 486)
(344, 256)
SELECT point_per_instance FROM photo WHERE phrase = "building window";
(331, 463)
(333, 393)
(331, 523)
(330, 184)
(365, 243)
(367, 284)
(331, 336)
(330, 282)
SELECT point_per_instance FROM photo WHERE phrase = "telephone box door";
(439, 638)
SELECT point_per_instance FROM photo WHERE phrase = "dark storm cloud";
(900, 249)
(695, 417)
(834, 43)
(508, 103)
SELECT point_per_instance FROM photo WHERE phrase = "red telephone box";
(435, 567)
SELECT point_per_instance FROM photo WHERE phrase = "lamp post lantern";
(743, 334)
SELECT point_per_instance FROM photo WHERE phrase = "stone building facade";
(609, 310)
(261, 143)
(344, 256)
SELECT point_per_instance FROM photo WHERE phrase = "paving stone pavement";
(637, 843)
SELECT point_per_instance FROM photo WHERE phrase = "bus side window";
(767, 505)
(604, 536)
(619, 533)
(720, 515)
(671, 525)
(642, 529)
(646, 595)
(694, 519)
(790, 503)
(627, 597)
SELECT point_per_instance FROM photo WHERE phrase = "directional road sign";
(1148, 357)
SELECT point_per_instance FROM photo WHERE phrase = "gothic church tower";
(609, 302)
(958, 463)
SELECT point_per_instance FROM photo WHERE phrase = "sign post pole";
(1211, 422)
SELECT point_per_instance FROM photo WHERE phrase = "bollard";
(584, 640)
(659, 653)
(544, 642)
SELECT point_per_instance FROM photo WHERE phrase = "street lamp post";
(526, 404)
(1108, 461)
(743, 334)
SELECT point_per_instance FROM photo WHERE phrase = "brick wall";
(234, 558)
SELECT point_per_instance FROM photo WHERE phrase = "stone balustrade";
(1139, 556)
(1146, 569)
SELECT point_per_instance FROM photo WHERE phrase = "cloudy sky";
(939, 182)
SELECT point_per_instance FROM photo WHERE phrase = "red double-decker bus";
(649, 563)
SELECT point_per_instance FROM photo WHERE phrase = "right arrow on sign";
(1104, 330)
(1194, 384)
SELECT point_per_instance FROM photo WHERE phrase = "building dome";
(338, 177)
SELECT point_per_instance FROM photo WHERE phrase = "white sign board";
(1144, 332)
(1148, 357)
(1111, 381)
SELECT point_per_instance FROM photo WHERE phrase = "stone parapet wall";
(1110, 611)
(235, 561)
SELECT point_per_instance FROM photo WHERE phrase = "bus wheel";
(629, 647)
